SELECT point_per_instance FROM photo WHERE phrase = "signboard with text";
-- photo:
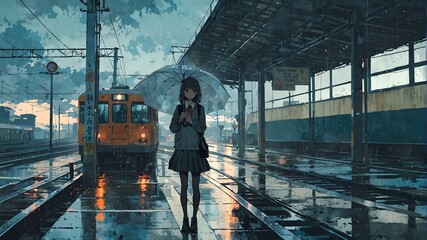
(285, 78)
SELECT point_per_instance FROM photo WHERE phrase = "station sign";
(285, 78)
(51, 67)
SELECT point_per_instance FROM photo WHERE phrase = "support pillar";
(356, 86)
(411, 63)
(367, 89)
(312, 112)
(261, 113)
(241, 107)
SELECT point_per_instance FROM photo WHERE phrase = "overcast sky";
(145, 30)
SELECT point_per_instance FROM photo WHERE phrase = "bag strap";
(198, 112)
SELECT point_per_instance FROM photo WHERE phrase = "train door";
(104, 135)
(120, 126)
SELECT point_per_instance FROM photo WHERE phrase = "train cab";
(128, 130)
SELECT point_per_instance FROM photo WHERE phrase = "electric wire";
(44, 25)
(118, 42)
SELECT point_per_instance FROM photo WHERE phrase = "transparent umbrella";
(160, 89)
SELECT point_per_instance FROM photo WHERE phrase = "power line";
(7, 41)
(44, 25)
(50, 52)
(56, 95)
(103, 42)
(118, 42)
(16, 76)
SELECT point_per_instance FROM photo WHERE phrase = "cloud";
(146, 30)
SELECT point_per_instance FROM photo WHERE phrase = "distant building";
(5, 114)
(28, 120)
(41, 133)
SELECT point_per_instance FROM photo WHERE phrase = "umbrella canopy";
(161, 88)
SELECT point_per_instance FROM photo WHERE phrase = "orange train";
(128, 130)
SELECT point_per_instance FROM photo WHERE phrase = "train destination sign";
(285, 78)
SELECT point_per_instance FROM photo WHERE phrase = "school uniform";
(186, 157)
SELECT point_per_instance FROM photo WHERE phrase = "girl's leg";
(184, 186)
(196, 192)
(196, 200)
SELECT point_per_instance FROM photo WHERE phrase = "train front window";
(103, 112)
(119, 113)
(140, 113)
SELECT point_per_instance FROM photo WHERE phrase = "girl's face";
(190, 93)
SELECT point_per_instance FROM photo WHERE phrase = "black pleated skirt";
(188, 161)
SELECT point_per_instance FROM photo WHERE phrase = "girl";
(187, 121)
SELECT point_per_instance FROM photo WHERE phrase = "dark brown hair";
(192, 83)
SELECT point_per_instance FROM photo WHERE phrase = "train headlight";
(99, 135)
(143, 135)
(120, 97)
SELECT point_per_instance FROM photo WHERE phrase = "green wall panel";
(400, 126)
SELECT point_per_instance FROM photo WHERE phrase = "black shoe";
(185, 226)
(193, 228)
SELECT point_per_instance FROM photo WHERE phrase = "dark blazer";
(186, 137)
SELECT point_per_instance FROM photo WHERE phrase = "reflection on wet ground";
(125, 205)
(131, 205)
(352, 214)
(39, 169)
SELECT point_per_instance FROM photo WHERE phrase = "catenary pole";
(90, 123)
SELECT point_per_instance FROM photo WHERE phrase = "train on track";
(128, 130)
(396, 126)
(13, 134)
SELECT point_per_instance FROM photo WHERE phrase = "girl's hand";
(188, 119)
(182, 116)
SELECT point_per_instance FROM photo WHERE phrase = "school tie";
(189, 109)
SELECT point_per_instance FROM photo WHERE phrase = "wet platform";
(127, 206)
(131, 205)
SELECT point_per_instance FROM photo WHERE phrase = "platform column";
(311, 112)
(241, 106)
(356, 86)
(261, 113)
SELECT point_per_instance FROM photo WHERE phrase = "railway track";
(373, 192)
(25, 202)
(355, 188)
(32, 154)
(274, 216)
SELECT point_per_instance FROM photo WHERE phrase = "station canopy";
(314, 34)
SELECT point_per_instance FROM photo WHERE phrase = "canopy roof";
(299, 33)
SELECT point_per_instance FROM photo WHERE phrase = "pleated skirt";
(188, 161)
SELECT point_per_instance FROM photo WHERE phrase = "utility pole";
(114, 83)
(68, 126)
(51, 113)
(51, 68)
(59, 122)
(90, 120)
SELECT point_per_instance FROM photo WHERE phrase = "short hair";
(192, 83)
